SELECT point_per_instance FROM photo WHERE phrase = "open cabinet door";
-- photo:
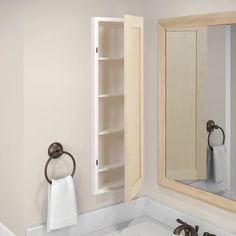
(186, 59)
(133, 87)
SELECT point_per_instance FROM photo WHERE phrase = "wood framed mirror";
(195, 82)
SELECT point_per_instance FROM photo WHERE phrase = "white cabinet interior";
(112, 56)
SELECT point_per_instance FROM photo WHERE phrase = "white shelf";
(110, 131)
(111, 187)
(110, 167)
(110, 58)
(111, 95)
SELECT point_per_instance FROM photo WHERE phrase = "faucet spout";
(179, 229)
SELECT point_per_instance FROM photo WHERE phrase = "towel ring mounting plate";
(55, 150)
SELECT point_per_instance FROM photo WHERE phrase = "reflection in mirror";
(200, 87)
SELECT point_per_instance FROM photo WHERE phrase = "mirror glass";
(201, 108)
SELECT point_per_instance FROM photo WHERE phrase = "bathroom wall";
(216, 61)
(57, 102)
(233, 107)
(193, 207)
(218, 103)
(58, 95)
(11, 116)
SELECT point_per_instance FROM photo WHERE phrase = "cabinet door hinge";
(97, 162)
(96, 49)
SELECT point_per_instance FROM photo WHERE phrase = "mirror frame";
(184, 22)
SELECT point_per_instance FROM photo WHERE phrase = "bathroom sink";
(143, 229)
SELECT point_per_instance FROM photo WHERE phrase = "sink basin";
(143, 229)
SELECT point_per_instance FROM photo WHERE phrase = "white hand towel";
(62, 208)
(219, 163)
(210, 168)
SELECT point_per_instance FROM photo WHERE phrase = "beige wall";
(218, 81)
(58, 96)
(216, 55)
(233, 107)
(160, 9)
(11, 114)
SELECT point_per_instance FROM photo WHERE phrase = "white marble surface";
(120, 227)
(96, 220)
(212, 187)
(107, 219)
(167, 216)
(4, 231)
(143, 229)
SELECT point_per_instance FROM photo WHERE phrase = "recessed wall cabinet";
(118, 88)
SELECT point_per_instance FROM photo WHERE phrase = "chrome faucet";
(188, 229)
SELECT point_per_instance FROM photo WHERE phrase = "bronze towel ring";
(211, 126)
(55, 150)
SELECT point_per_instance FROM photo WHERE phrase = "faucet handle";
(196, 228)
(208, 234)
(181, 222)
(184, 223)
